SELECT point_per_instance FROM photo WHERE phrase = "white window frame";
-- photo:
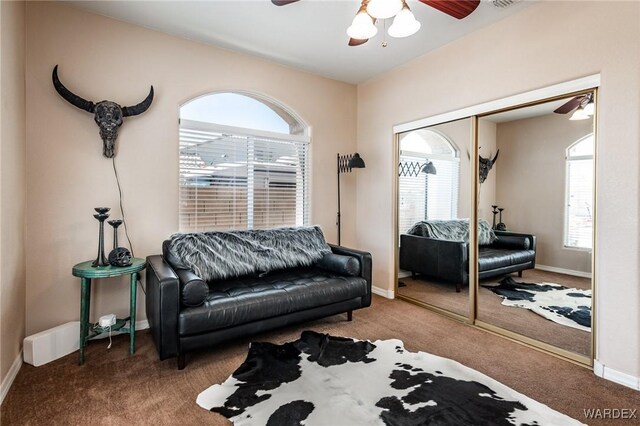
(303, 196)
(568, 159)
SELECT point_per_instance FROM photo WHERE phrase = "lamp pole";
(344, 164)
(338, 223)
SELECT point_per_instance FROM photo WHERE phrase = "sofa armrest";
(163, 305)
(442, 259)
(365, 266)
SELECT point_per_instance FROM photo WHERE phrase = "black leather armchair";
(248, 305)
(449, 260)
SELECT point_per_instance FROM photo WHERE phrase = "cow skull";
(486, 165)
(107, 115)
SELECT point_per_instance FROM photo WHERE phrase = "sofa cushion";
(341, 265)
(494, 258)
(240, 301)
(453, 230)
(221, 255)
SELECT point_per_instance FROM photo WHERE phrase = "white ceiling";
(309, 34)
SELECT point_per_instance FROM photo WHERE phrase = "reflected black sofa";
(449, 260)
(186, 313)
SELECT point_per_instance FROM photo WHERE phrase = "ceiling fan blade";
(357, 42)
(569, 106)
(283, 2)
(457, 8)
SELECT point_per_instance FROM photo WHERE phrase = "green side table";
(86, 272)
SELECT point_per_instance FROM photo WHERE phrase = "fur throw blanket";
(453, 230)
(221, 255)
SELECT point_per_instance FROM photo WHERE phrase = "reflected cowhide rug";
(560, 304)
(325, 380)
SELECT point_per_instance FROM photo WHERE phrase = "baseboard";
(142, 325)
(563, 271)
(389, 294)
(612, 375)
(11, 376)
(403, 274)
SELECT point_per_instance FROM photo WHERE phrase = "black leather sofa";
(338, 283)
(449, 260)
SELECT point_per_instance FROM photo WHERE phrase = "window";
(243, 165)
(427, 196)
(578, 230)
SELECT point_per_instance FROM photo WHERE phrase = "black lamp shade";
(429, 168)
(356, 162)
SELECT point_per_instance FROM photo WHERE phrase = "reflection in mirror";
(433, 211)
(535, 278)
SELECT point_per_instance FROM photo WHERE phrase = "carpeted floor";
(113, 388)
(491, 310)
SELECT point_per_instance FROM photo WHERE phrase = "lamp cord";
(124, 221)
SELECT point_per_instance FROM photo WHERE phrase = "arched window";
(243, 164)
(424, 194)
(578, 230)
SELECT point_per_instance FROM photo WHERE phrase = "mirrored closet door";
(433, 210)
(536, 230)
(526, 175)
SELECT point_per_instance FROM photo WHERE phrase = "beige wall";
(488, 147)
(529, 50)
(531, 183)
(12, 183)
(102, 58)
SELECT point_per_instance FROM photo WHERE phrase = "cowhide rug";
(325, 380)
(563, 305)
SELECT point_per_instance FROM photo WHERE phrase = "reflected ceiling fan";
(581, 105)
(404, 23)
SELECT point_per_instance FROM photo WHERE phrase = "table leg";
(85, 302)
(132, 314)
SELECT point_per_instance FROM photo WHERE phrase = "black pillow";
(512, 242)
(193, 291)
(339, 264)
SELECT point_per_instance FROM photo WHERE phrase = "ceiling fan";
(581, 104)
(458, 9)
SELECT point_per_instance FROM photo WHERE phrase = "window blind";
(579, 209)
(240, 181)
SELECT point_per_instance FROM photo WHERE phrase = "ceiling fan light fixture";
(362, 26)
(404, 24)
(383, 9)
(580, 114)
(589, 109)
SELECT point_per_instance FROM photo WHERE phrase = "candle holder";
(115, 223)
(119, 256)
(501, 226)
(101, 259)
(495, 212)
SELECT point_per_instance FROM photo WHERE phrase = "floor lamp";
(345, 164)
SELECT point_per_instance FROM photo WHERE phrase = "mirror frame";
(589, 84)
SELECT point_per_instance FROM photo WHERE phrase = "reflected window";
(432, 192)
(244, 164)
(578, 230)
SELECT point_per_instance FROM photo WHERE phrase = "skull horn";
(496, 157)
(140, 108)
(71, 97)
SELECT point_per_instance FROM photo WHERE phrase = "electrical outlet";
(107, 320)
